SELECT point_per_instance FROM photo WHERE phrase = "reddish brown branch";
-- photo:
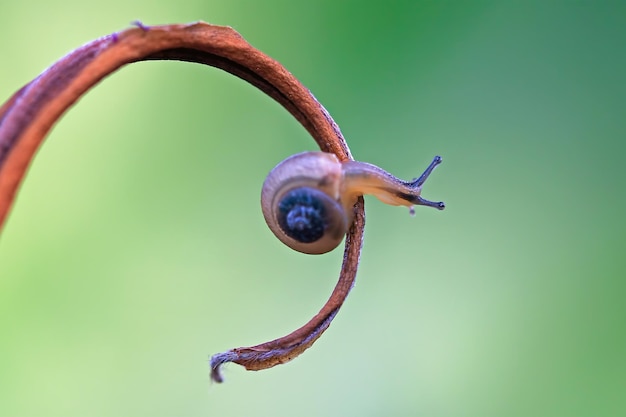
(26, 118)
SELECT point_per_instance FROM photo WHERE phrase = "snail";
(307, 199)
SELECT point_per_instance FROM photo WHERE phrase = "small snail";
(307, 199)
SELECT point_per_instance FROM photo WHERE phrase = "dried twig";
(29, 114)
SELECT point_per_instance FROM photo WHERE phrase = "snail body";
(307, 199)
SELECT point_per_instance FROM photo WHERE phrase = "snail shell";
(302, 202)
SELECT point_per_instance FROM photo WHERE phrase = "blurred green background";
(137, 247)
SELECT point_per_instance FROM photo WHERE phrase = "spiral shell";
(301, 202)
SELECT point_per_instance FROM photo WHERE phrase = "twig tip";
(140, 25)
(216, 363)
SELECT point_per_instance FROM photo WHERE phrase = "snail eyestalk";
(422, 179)
(419, 182)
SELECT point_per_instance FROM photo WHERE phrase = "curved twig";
(29, 114)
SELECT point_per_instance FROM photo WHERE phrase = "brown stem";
(29, 114)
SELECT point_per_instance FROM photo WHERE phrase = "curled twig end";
(216, 363)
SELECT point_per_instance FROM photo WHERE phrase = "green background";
(137, 247)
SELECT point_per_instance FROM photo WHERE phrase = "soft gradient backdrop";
(137, 247)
